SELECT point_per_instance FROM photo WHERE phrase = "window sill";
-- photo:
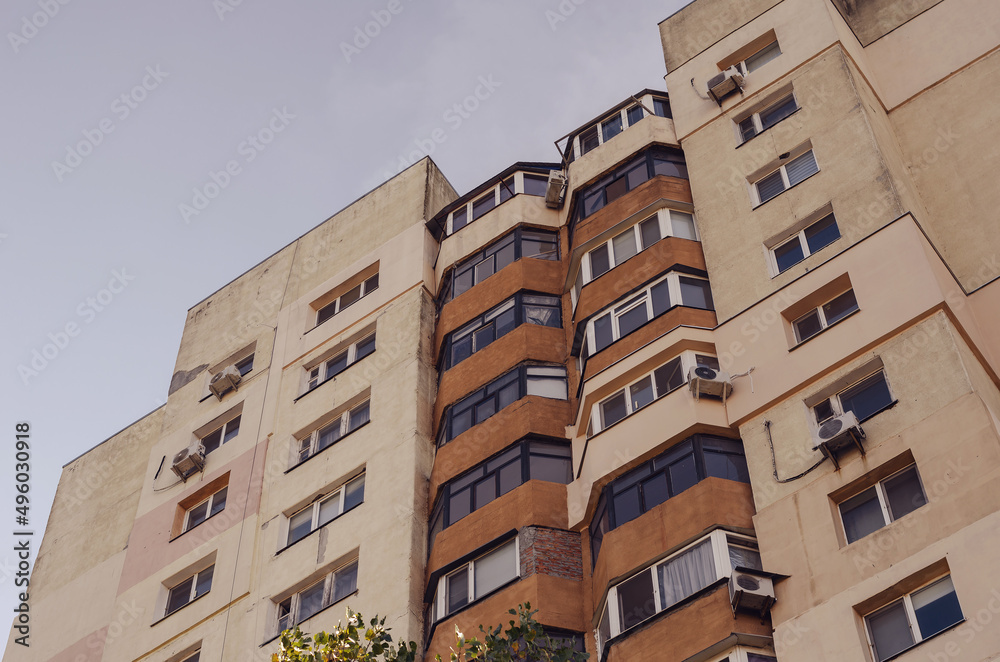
(299, 464)
(289, 545)
(266, 642)
(823, 330)
(196, 525)
(769, 128)
(761, 204)
(183, 606)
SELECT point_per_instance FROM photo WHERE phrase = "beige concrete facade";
(623, 471)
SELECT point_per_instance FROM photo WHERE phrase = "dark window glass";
(823, 411)
(779, 111)
(460, 505)
(612, 127)
(485, 491)
(350, 297)
(670, 168)
(661, 107)
(345, 582)
(669, 376)
(179, 595)
(641, 393)
(483, 205)
(788, 254)
(747, 129)
(890, 631)
(808, 325)
(219, 501)
(459, 219)
(708, 361)
(588, 140)
(654, 491)
(862, 515)
(696, 293)
(198, 514)
(770, 186)
(727, 465)
(463, 281)
(627, 505)
(683, 474)
(635, 600)
(552, 469)
(650, 231)
(615, 190)
(904, 493)
(840, 307)
(868, 397)
(364, 348)
(506, 189)
(371, 285)
(600, 262)
(336, 365)
(632, 318)
(634, 114)
(936, 607)
(539, 245)
(232, 429)
(458, 590)
(535, 184)
(613, 410)
(212, 440)
(354, 493)
(245, 366)
(660, 294)
(204, 582)
(635, 173)
(822, 233)
(602, 332)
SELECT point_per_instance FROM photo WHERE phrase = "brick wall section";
(551, 552)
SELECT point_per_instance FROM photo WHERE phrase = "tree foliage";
(524, 640)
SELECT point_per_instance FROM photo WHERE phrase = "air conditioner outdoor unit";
(224, 381)
(751, 591)
(722, 85)
(703, 380)
(837, 433)
(189, 461)
(555, 190)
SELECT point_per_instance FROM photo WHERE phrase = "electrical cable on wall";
(774, 464)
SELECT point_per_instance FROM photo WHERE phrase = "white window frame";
(836, 406)
(723, 568)
(366, 289)
(758, 124)
(673, 288)
(315, 376)
(744, 67)
(497, 201)
(223, 430)
(665, 223)
(439, 606)
(329, 582)
(800, 237)
(883, 500)
(689, 359)
(338, 494)
(786, 183)
(821, 316)
(599, 124)
(192, 594)
(313, 437)
(911, 617)
(211, 501)
(741, 654)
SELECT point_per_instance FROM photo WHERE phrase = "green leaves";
(352, 642)
(523, 641)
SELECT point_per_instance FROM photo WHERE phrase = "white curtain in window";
(686, 574)
(495, 569)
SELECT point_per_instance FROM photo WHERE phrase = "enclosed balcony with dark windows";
(666, 161)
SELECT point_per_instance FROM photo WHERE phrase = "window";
(311, 600)
(804, 243)
(209, 507)
(865, 398)
(219, 436)
(913, 618)
(349, 297)
(532, 459)
(594, 136)
(331, 367)
(326, 436)
(521, 243)
(522, 308)
(824, 316)
(189, 590)
(624, 318)
(661, 107)
(194, 657)
(766, 118)
(244, 366)
(645, 166)
(325, 509)
(474, 580)
(785, 177)
(884, 502)
(639, 237)
(668, 377)
(520, 182)
(759, 59)
(668, 582)
(653, 482)
(545, 381)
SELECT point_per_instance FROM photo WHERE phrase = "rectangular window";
(503, 190)
(201, 511)
(305, 604)
(219, 436)
(865, 398)
(245, 365)
(883, 503)
(324, 437)
(510, 387)
(645, 166)
(475, 580)
(333, 366)
(656, 299)
(639, 237)
(188, 590)
(804, 243)
(352, 296)
(785, 177)
(667, 583)
(766, 118)
(826, 315)
(325, 509)
(759, 59)
(522, 308)
(535, 184)
(913, 618)
(522, 243)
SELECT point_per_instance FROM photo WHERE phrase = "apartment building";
(719, 385)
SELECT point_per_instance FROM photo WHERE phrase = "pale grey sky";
(117, 112)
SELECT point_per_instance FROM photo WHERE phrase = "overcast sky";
(116, 115)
